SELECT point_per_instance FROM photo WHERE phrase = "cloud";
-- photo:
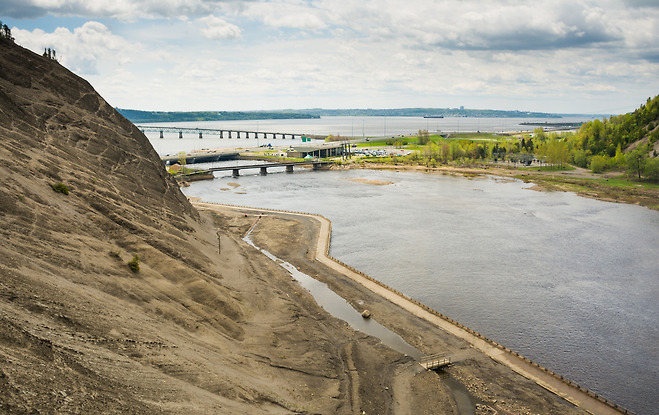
(346, 53)
(478, 25)
(125, 10)
(20, 10)
(80, 50)
(293, 14)
(642, 3)
(218, 28)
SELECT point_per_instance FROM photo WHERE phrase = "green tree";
(423, 137)
(651, 169)
(636, 162)
(455, 151)
(618, 160)
(597, 164)
(5, 32)
(556, 152)
(182, 158)
(529, 145)
(539, 133)
(579, 158)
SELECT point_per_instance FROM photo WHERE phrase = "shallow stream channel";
(341, 309)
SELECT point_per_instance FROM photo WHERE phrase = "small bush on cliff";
(134, 264)
(60, 188)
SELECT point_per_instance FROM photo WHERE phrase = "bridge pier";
(289, 169)
(238, 134)
(236, 172)
(229, 134)
(221, 134)
(264, 171)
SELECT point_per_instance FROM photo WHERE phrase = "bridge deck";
(266, 165)
(435, 361)
(289, 167)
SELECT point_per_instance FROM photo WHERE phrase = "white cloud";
(81, 50)
(296, 14)
(344, 52)
(218, 28)
(125, 10)
(478, 25)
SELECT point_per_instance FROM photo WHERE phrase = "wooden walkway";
(434, 361)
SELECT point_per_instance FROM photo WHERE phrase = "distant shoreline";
(138, 116)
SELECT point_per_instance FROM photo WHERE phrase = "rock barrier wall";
(434, 312)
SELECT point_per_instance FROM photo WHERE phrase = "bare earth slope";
(193, 331)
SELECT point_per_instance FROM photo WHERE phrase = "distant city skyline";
(554, 56)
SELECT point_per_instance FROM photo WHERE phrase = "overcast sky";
(572, 56)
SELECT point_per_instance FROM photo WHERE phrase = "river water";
(571, 283)
(358, 127)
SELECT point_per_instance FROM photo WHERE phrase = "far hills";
(139, 116)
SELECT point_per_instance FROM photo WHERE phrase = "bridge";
(316, 165)
(208, 156)
(434, 361)
(221, 132)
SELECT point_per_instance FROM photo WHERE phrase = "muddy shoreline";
(580, 181)
(482, 366)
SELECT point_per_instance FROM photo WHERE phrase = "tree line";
(50, 54)
(5, 32)
(621, 143)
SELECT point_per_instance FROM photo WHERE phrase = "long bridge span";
(315, 164)
(200, 132)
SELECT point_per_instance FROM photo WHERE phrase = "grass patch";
(624, 183)
(550, 168)
(182, 171)
(618, 189)
(134, 264)
(60, 188)
(478, 136)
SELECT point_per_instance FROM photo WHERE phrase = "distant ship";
(433, 116)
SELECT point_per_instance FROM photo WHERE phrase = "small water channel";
(340, 308)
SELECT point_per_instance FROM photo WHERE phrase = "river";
(571, 283)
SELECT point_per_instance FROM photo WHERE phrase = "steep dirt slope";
(192, 332)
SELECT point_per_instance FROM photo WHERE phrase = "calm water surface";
(570, 282)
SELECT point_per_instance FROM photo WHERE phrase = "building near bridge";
(318, 151)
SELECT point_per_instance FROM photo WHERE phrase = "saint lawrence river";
(572, 283)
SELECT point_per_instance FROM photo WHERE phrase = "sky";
(572, 56)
